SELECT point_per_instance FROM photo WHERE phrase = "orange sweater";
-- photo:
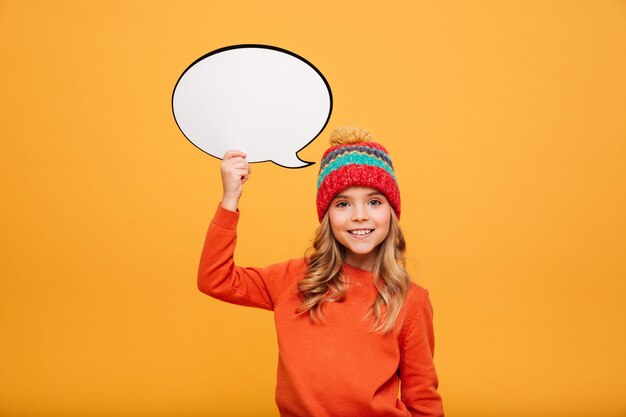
(337, 367)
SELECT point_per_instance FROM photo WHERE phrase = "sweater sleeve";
(419, 380)
(219, 277)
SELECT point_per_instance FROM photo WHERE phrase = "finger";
(234, 153)
(236, 165)
(237, 162)
(240, 172)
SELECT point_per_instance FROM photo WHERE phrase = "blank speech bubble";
(265, 101)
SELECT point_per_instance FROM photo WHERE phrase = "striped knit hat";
(354, 160)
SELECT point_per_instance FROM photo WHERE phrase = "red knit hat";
(354, 160)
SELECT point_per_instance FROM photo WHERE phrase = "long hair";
(323, 282)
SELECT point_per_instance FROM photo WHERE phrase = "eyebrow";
(347, 196)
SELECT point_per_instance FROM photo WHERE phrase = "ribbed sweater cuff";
(225, 219)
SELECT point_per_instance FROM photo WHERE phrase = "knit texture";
(337, 367)
(359, 163)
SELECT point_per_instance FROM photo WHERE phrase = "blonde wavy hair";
(323, 281)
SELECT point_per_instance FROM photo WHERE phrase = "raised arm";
(218, 276)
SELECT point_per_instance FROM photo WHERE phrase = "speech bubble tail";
(291, 161)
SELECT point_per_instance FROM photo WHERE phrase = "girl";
(353, 330)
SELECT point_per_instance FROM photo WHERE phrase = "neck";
(365, 262)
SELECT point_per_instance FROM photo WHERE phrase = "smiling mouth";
(361, 232)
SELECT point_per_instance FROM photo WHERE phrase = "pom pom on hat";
(355, 160)
(347, 135)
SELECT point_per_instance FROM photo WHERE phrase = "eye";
(341, 204)
(375, 202)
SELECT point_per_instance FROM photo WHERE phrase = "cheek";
(336, 219)
(334, 224)
(386, 231)
(385, 221)
(384, 218)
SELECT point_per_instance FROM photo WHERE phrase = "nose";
(359, 214)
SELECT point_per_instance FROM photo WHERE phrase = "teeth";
(361, 232)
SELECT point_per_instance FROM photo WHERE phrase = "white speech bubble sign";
(265, 101)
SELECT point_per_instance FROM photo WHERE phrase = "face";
(359, 218)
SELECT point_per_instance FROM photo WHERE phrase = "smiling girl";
(353, 330)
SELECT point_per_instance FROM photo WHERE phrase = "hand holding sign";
(262, 100)
(235, 172)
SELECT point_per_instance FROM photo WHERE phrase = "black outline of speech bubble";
(275, 48)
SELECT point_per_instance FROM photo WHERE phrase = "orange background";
(507, 125)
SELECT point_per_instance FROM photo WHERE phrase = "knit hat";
(353, 159)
